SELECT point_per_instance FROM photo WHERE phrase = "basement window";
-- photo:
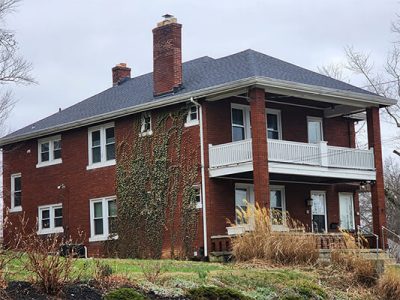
(50, 219)
(192, 118)
(101, 140)
(145, 128)
(103, 215)
(49, 151)
(16, 193)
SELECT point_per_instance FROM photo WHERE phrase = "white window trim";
(250, 190)
(326, 210)
(246, 120)
(106, 235)
(194, 122)
(14, 208)
(52, 228)
(352, 204)
(198, 190)
(284, 226)
(276, 112)
(103, 162)
(315, 119)
(147, 132)
(51, 160)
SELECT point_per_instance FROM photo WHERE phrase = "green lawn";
(178, 276)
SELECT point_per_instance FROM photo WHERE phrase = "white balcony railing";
(293, 152)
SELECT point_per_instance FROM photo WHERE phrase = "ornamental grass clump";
(290, 247)
(389, 284)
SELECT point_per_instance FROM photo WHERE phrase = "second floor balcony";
(295, 158)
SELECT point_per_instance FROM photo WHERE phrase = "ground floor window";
(346, 208)
(244, 196)
(278, 206)
(103, 214)
(319, 220)
(50, 219)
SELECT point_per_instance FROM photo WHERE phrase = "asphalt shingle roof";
(198, 74)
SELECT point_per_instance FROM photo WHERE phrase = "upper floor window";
(50, 219)
(49, 151)
(145, 128)
(16, 193)
(274, 130)
(241, 128)
(315, 130)
(192, 116)
(103, 213)
(101, 146)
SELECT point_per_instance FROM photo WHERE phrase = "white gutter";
(203, 176)
(271, 85)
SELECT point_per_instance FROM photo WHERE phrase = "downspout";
(203, 175)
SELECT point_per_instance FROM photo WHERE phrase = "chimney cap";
(168, 19)
(121, 65)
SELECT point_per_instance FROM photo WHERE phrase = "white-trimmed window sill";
(101, 165)
(103, 238)
(15, 209)
(49, 163)
(192, 123)
(146, 133)
(50, 231)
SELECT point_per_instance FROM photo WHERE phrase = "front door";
(346, 209)
(318, 215)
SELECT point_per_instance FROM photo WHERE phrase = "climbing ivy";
(153, 173)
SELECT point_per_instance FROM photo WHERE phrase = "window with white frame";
(241, 127)
(278, 206)
(49, 151)
(315, 130)
(145, 128)
(103, 214)
(198, 198)
(16, 192)
(50, 219)
(274, 126)
(192, 116)
(244, 198)
(101, 146)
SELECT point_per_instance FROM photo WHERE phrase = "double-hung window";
(101, 146)
(315, 130)
(103, 214)
(50, 219)
(49, 151)
(192, 116)
(145, 128)
(197, 196)
(241, 127)
(16, 193)
(244, 198)
(274, 126)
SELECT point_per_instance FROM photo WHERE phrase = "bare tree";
(392, 191)
(13, 67)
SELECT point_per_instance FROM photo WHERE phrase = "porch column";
(377, 189)
(259, 146)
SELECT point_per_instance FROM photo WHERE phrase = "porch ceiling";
(248, 176)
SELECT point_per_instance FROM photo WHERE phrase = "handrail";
(383, 235)
(360, 229)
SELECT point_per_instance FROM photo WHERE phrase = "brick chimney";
(167, 56)
(120, 72)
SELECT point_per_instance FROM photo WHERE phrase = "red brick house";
(267, 131)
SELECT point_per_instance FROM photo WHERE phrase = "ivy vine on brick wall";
(153, 173)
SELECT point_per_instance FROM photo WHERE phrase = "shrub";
(389, 284)
(124, 294)
(287, 248)
(152, 271)
(348, 257)
(215, 293)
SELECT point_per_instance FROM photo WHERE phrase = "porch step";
(220, 256)
(370, 254)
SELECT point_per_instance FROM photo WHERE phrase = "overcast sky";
(74, 44)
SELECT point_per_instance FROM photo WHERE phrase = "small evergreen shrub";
(215, 293)
(124, 294)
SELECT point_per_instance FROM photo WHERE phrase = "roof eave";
(269, 84)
